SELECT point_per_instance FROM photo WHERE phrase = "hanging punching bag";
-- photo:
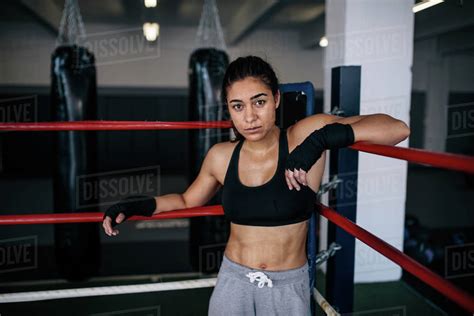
(73, 98)
(208, 235)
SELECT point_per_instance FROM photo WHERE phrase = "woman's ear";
(277, 98)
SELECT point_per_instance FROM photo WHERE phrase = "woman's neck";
(266, 143)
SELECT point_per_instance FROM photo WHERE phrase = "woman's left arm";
(319, 132)
(375, 128)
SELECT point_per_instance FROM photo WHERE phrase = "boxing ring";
(440, 160)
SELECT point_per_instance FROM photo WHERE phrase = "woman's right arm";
(203, 188)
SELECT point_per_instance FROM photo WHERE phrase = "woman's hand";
(119, 212)
(295, 178)
(305, 155)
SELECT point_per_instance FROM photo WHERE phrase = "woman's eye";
(260, 102)
(237, 107)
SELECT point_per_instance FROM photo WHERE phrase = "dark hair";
(249, 66)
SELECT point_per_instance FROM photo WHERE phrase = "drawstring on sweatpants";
(260, 277)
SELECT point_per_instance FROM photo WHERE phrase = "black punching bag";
(208, 235)
(74, 98)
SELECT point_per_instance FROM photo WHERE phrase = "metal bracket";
(325, 187)
(337, 111)
(324, 255)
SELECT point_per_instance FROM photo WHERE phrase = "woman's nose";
(250, 114)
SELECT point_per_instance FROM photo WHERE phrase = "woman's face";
(252, 107)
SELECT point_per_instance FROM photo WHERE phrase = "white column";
(378, 36)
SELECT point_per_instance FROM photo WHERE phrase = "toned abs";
(268, 248)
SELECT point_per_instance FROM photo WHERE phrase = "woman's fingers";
(293, 182)
(287, 178)
(120, 218)
(301, 177)
(107, 225)
(295, 178)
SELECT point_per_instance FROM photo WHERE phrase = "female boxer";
(269, 179)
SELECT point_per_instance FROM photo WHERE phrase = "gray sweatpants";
(241, 290)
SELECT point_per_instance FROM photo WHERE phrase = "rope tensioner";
(325, 187)
(324, 255)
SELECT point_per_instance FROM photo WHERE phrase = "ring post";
(343, 163)
(307, 89)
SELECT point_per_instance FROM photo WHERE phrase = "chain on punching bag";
(207, 66)
(73, 98)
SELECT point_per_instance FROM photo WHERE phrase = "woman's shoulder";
(222, 150)
(219, 157)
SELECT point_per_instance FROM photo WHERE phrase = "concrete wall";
(437, 74)
(26, 49)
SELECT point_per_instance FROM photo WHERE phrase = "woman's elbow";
(403, 132)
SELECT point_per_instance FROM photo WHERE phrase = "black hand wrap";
(132, 205)
(331, 136)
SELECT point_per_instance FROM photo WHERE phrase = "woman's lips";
(253, 129)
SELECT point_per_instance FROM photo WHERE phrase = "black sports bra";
(269, 204)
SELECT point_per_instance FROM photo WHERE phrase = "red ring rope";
(111, 125)
(442, 160)
(68, 218)
(408, 264)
